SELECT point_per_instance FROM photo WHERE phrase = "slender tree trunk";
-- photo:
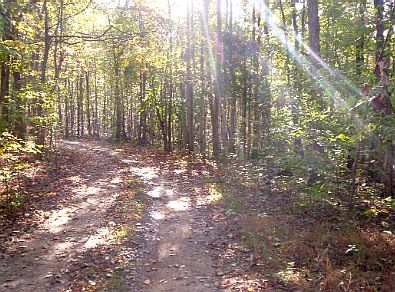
(360, 43)
(379, 7)
(117, 97)
(5, 94)
(96, 128)
(223, 106)
(104, 110)
(20, 125)
(170, 91)
(189, 86)
(202, 104)
(249, 126)
(314, 26)
(287, 62)
(216, 141)
(41, 132)
(381, 72)
(244, 109)
(67, 109)
(58, 63)
(72, 108)
(131, 117)
(232, 84)
(314, 44)
(81, 108)
(303, 21)
(5, 69)
(298, 144)
(256, 82)
(266, 16)
(88, 104)
(143, 109)
(170, 117)
(47, 43)
(162, 116)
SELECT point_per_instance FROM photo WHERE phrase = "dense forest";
(289, 100)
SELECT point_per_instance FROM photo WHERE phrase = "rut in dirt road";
(180, 260)
(176, 229)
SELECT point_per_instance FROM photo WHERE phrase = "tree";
(5, 66)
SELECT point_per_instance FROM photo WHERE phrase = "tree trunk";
(381, 72)
(202, 104)
(96, 128)
(67, 109)
(297, 93)
(5, 94)
(81, 108)
(314, 26)
(5, 69)
(88, 105)
(117, 97)
(379, 7)
(20, 125)
(41, 131)
(189, 85)
(104, 110)
(72, 108)
(216, 141)
(244, 109)
(232, 85)
(360, 43)
(314, 44)
(58, 63)
(255, 40)
(170, 99)
(143, 109)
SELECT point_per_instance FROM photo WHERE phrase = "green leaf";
(350, 102)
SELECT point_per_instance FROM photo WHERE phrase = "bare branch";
(101, 37)
(73, 15)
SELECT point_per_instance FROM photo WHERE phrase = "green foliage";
(117, 281)
(18, 201)
(255, 241)
(371, 212)
(10, 145)
(295, 165)
(12, 151)
(317, 191)
(4, 52)
(13, 202)
(256, 154)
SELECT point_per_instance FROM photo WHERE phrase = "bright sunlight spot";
(215, 194)
(181, 204)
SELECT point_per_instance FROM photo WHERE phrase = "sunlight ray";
(310, 68)
(211, 59)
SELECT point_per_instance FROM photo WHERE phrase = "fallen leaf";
(147, 282)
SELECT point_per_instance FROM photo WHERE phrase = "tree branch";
(100, 37)
(73, 15)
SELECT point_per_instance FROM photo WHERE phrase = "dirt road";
(112, 220)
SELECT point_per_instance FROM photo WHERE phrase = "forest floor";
(96, 216)
(112, 217)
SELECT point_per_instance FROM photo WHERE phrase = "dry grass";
(317, 247)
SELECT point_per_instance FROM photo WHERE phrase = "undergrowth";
(16, 156)
(306, 237)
